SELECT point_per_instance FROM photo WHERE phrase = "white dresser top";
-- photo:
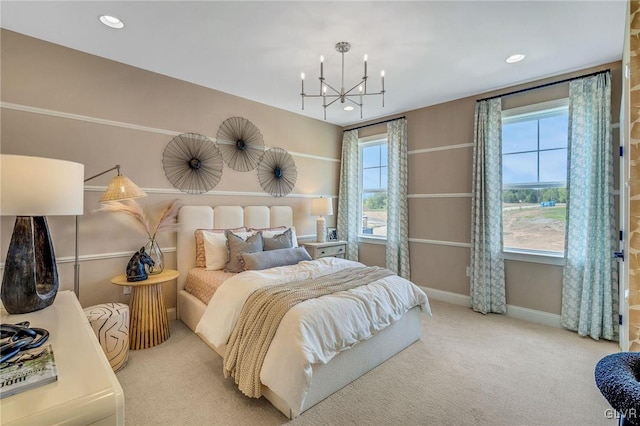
(87, 390)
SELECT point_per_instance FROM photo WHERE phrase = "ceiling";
(431, 52)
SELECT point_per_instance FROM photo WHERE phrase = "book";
(27, 370)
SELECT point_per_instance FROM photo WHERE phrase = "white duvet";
(313, 331)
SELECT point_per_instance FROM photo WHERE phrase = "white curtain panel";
(590, 278)
(397, 210)
(349, 215)
(487, 264)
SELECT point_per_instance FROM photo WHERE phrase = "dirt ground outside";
(526, 226)
(530, 226)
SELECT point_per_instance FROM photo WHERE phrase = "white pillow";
(215, 248)
(270, 233)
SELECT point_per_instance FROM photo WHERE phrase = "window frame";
(526, 113)
(379, 139)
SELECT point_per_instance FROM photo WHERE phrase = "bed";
(322, 378)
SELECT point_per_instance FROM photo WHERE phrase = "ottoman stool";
(110, 323)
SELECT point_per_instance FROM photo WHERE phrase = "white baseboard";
(513, 311)
(171, 314)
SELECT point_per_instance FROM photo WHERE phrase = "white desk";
(87, 390)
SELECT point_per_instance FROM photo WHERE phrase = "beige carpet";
(468, 369)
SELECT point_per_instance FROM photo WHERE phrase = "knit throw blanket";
(265, 308)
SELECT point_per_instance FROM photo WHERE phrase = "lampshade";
(321, 207)
(35, 186)
(121, 188)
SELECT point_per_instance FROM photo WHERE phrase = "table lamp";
(30, 189)
(321, 207)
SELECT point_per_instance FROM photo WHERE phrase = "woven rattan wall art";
(277, 172)
(240, 143)
(192, 163)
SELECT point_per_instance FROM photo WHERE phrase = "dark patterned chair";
(617, 378)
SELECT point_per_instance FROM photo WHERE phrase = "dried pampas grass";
(165, 222)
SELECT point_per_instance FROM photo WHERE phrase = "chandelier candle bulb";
(365, 66)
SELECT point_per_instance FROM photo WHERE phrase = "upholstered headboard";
(191, 218)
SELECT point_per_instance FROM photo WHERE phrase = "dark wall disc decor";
(277, 172)
(240, 143)
(192, 163)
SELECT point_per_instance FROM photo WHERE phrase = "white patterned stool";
(110, 323)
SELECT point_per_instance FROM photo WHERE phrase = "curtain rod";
(374, 124)
(544, 85)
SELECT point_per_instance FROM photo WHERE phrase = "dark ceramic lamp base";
(30, 280)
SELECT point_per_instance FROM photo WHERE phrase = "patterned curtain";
(397, 209)
(590, 282)
(349, 216)
(487, 265)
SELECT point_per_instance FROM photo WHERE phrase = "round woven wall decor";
(240, 143)
(192, 163)
(277, 172)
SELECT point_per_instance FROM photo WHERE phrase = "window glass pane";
(374, 213)
(518, 137)
(371, 178)
(553, 165)
(534, 219)
(384, 175)
(520, 168)
(371, 156)
(554, 131)
(384, 153)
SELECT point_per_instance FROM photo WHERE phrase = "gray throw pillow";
(237, 246)
(279, 241)
(273, 258)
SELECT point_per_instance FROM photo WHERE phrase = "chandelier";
(354, 96)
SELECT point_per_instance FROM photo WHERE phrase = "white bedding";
(313, 331)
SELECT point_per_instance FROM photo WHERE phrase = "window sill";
(547, 258)
(372, 240)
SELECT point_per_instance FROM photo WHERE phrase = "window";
(373, 187)
(534, 177)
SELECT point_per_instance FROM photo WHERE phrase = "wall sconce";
(119, 189)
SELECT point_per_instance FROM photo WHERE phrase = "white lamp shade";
(35, 186)
(321, 207)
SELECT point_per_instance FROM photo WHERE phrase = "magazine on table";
(27, 370)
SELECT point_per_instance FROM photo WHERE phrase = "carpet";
(468, 369)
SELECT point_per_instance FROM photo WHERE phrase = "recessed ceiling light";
(348, 108)
(515, 58)
(111, 21)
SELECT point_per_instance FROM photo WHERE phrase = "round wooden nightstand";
(149, 323)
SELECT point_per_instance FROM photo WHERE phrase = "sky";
(520, 162)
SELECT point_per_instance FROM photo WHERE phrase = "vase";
(153, 250)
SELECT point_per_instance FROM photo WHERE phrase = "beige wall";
(61, 103)
(440, 164)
